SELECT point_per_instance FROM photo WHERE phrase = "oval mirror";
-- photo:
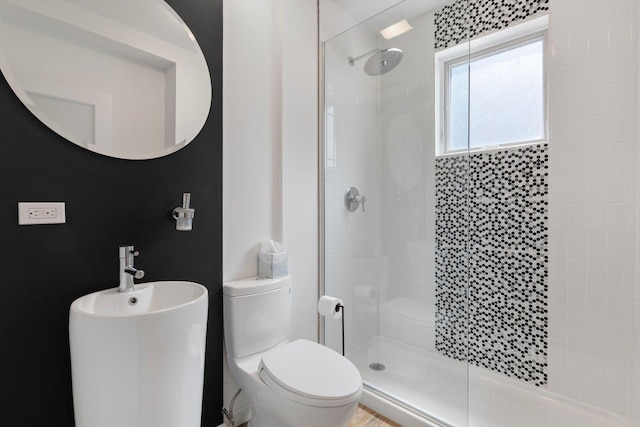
(123, 78)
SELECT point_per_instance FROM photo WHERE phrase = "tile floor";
(365, 417)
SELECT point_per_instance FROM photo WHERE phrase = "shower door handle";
(353, 199)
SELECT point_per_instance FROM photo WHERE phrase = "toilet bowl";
(299, 381)
(288, 384)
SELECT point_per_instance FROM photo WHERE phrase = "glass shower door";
(397, 254)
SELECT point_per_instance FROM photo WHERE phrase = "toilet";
(287, 383)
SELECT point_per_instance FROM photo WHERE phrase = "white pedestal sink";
(137, 358)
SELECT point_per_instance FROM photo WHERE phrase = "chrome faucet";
(127, 270)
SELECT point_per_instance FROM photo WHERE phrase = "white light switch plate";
(30, 213)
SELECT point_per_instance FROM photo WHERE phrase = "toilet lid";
(311, 374)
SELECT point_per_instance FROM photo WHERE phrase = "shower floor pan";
(436, 385)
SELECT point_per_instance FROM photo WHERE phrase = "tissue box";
(272, 265)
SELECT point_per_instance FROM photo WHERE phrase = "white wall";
(300, 159)
(270, 142)
(270, 147)
(252, 134)
(592, 299)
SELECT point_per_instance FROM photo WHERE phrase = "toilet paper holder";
(332, 307)
(340, 307)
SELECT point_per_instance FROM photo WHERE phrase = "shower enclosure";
(479, 210)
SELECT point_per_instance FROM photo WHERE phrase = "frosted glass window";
(459, 106)
(498, 98)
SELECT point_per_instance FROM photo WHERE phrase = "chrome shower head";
(381, 62)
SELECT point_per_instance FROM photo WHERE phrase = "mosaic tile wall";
(455, 24)
(497, 214)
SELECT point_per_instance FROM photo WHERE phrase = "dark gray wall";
(109, 202)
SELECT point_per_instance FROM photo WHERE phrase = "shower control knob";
(353, 199)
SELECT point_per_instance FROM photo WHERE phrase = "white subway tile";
(618, 128)
(577, 217)
(596, 206)
(577, 61)
(618, 63)
(620, 98)
(558, 296)
(558, 44)
(597, 12)
(557, 365)
(615, 384)
(557, 258)
(576, 328)
(579, 122)
(617, 276)
(618, 342)
(619, 10)
(594, 384)
(620, 35)
(618, 247)
(619, 219)
(598, 41)
(618, 306)
(596, 157)
(557, 202)
(596, 320)
(577, 188)
(596, 261)
(576, 288)
(574, 375)
(596, 100)
(578, 47)
(560, 106)
(617, 187)
(576, 245)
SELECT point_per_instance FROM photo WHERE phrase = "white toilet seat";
(310, 374)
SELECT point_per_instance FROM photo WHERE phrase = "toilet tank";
(257, 314)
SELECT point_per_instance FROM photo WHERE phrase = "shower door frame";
(321, 182)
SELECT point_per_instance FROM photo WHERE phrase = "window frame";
(497, 42)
